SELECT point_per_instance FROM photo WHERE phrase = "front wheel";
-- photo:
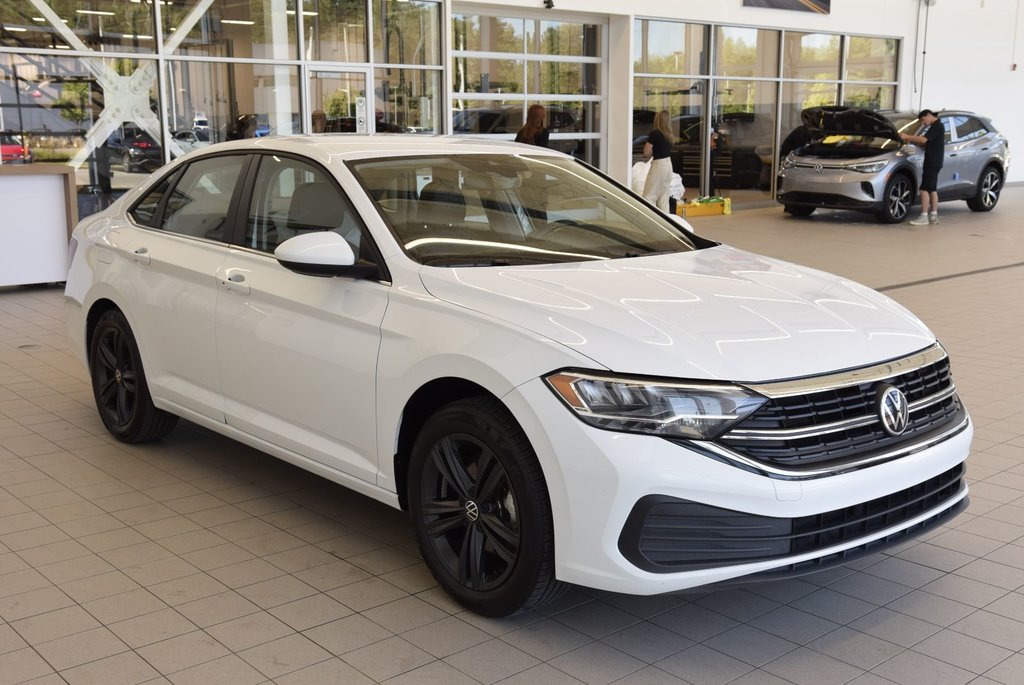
(798, 210)
(989, 187)
(897, 200)
(119, 383)
(480, 506)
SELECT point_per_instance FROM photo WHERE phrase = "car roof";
(328, 147)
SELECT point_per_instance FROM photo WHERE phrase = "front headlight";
(632, 405)
(868, 167)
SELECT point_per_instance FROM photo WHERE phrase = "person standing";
(534, 132)
(658, 147)
(933, 139)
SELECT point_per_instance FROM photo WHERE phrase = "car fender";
(478, 348)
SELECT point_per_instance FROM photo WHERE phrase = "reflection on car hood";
(718, 313)
(846, 121)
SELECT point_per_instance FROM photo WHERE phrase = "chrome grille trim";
(834, 468)
(806, 386)
(814, 431)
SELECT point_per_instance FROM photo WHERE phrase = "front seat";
(314, 206)
(441, 203)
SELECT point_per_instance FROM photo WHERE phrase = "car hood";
(718, 313)
(846, 121)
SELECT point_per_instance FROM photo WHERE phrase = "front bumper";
(831, 188)
(596, 478)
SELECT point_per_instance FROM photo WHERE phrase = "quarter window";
(292, 197)
(145, 211)
(199, 203)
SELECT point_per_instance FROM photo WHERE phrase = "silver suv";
(855, 160)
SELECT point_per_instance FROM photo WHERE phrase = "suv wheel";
(989, 187)
(480, 506)
(119, 383)
(798, 210)
(897, 199)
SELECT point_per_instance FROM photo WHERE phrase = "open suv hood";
(833, 120)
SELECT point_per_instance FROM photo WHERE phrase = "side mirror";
(321, 253)
(682, 222)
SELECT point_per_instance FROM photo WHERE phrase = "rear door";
(175, 249)
(975, 141)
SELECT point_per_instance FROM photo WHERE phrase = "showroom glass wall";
(117, 87)
(500, 65)
(733, 93)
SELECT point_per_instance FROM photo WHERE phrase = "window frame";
(249, 191)
(174, 178)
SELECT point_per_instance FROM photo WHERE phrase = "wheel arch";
(96, 310)
(418, 408)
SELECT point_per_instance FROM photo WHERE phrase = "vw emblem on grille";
(472, 510)
(893, 410)
(818, 167)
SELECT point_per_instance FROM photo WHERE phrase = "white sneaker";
(933, 218)
(920, 221)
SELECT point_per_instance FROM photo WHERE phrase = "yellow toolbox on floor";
(691, 209)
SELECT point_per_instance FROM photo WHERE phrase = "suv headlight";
(868, 167)
(633, 405)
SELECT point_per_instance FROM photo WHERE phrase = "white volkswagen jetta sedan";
(559, 383)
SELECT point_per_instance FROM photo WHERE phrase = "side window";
(146, 209)
(970, 128)
(198, 205)
(292, 197)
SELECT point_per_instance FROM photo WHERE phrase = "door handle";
(984, 148)
(141, 256)
(952, 154)
(236, 281)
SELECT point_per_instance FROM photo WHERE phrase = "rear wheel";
(119, 383)
(989, 187)
(897, 200)
(798, 210)
(481, 510)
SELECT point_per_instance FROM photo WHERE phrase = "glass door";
(338, 102)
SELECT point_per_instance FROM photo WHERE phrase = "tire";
(119, 383)
(989, 186)
(897, 199)
(480, 507)
(798, 210)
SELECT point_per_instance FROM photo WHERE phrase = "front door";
(298, 354)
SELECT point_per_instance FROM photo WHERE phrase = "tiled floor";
(197, 560)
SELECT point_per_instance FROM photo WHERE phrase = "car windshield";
(501, 209)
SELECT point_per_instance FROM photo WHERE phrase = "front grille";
(665, 535)
(799, 197)
(838, 425)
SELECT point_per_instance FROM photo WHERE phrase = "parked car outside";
(13, 149)
(190, 140)
(857, 161)
(141, 153)
(559, 383)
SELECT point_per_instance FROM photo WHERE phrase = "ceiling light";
(101, 13)
(240, 22)
(15, 29)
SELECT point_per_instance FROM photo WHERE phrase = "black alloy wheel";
(481, 509)
(898, 199)
(989, 187)
(119, 383)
